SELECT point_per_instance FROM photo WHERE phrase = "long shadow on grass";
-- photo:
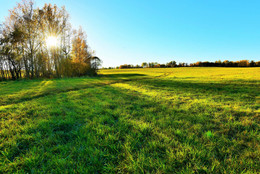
(31, 94)
(235, 90)
(122, 75)
(111, 130)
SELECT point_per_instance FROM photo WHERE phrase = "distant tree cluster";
(226, 63)
(40, 42)
(171, 64)
(128, 66)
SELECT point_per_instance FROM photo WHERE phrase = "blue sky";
(136, 31)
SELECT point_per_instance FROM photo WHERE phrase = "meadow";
(164, 120)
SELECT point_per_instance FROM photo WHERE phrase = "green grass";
(173, 120)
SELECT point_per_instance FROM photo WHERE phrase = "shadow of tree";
(109, 129)
(243, 91)
(33, 89)
(122, 75)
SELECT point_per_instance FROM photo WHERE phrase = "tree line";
(219, 63)
(40, 42)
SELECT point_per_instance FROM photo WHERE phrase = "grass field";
(173, 120)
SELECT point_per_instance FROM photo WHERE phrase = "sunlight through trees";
(40, 42)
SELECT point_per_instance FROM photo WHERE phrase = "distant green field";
(172, 120)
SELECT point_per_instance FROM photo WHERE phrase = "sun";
(51, 41)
